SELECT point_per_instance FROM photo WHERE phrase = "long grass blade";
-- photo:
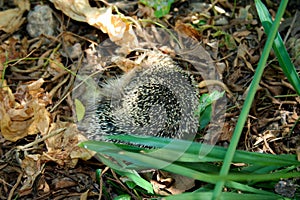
(249, 99)
(278, 47)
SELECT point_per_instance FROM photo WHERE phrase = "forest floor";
(40, 53)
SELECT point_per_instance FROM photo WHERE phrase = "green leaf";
(191, 154)
(120, 166)
(249, 99)
(135, 177)
(204, 109)
(131, 184)
(161, 7)
(263, 167)
(123, 197)
(98, 174)
(80, 109)
(120, 169)
(207, 99)
(205, 117)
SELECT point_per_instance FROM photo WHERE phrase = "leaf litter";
(39, 153)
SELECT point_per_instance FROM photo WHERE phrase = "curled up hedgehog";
(156, 98)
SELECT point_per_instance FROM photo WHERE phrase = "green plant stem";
(249, 99)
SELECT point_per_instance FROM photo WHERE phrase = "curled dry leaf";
(12, 19)
(24, 112)
(243, 52)
(63, 148)
(165, 183)
(32, 167)
(117, 27)
(187, 30)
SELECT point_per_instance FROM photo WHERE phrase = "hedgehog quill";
(155, 98)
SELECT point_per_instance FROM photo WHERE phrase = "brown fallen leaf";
(24, 112)
(12, 19)
(63, 148)
(32, 167)
(242, 54)
(187, 30)
(118, 27)
(165, 183)
(64, 182)
(240, 35)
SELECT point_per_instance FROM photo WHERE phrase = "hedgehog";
(156, 98)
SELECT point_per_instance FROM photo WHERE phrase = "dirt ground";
(41, 51)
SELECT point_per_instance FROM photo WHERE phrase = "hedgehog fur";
(156, 98)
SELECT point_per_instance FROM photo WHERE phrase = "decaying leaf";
(24, 112)
(242, 53)
(63, 148)
(165, 183)
(12, 19)
(187, 30)
(117, 27)
(32, 167)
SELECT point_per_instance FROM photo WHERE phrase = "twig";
(291, 27)
(5, 183)
(11, 193)
(215, 82)
(120, 182)
(101, 182)
(53, 133)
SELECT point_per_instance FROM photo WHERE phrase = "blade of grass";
(148, 162)
(191, 154)
(224, 196)
(249, 99)
(278, 47)
(142, 160)
(132, 174)
(138, 180)
(210, 178)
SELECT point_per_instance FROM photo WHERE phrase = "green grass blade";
(148, 162)
(132, 174)
(138, 180)
(143, 160)
(278, 47)
(249, 99)
(224, 196)
(191, 154)
(122, 160)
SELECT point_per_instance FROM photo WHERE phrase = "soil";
(36, 99)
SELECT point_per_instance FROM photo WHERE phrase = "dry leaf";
(240, 35)
(117, 27)
(187, 30)
(23, 113)
(31, 165)
(242, 53)
(84, 195)
(227, 132)
(63, 148)
(124, 64)
(55, 67)
(12, 19)
(165, 183)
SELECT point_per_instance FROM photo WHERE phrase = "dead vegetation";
(39, 156)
